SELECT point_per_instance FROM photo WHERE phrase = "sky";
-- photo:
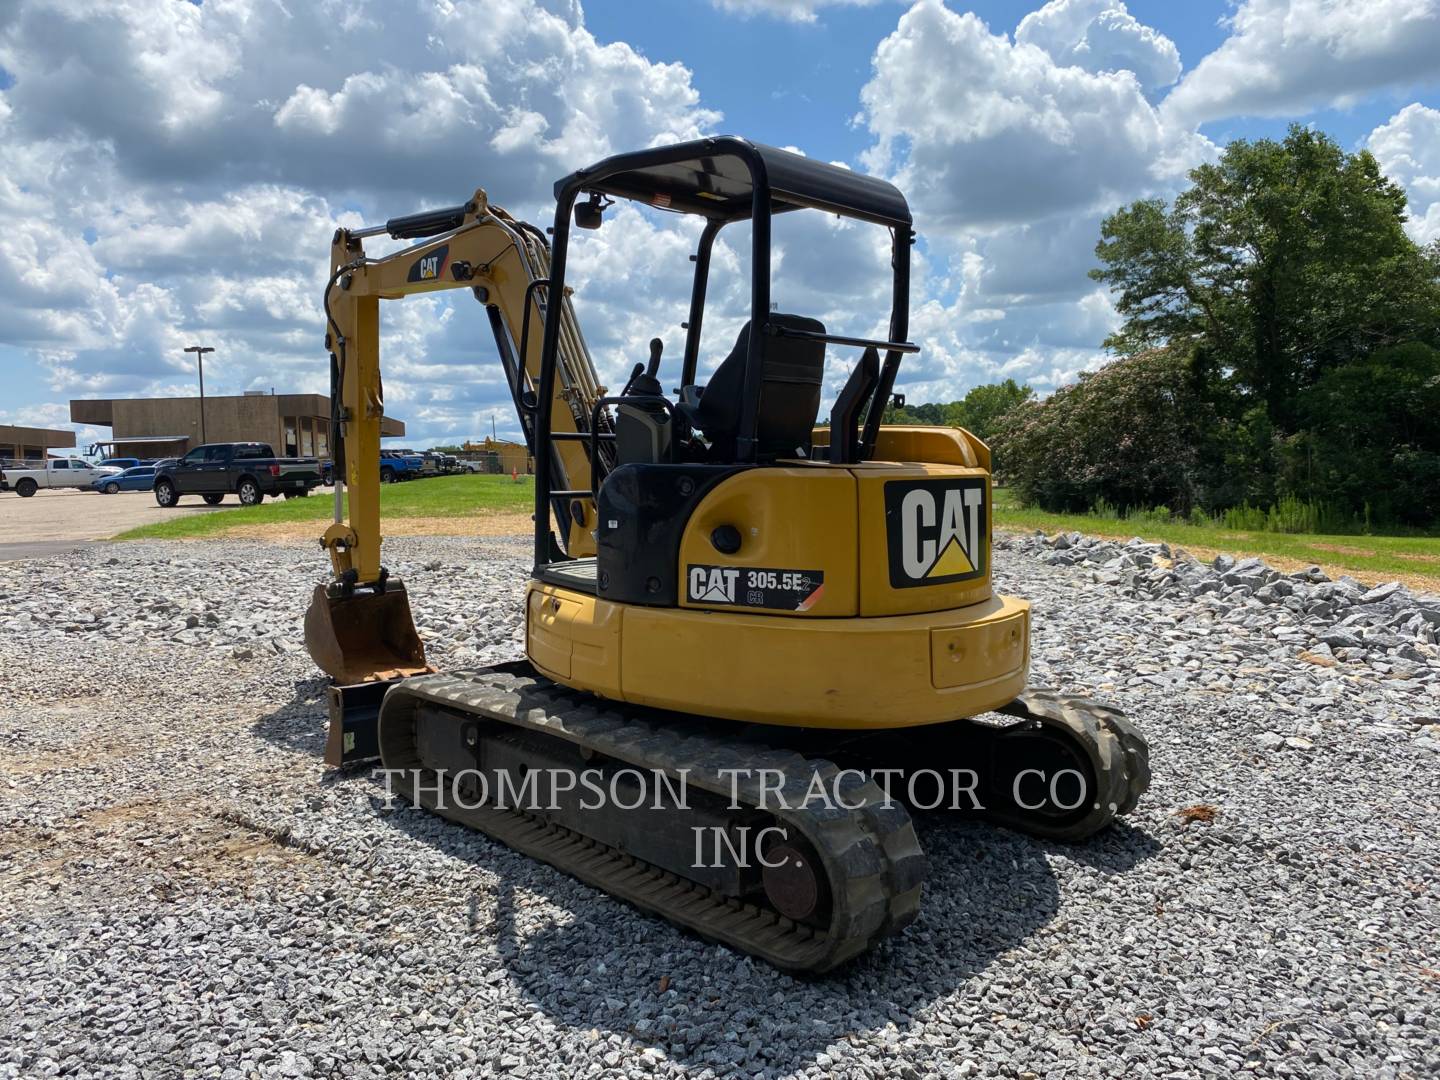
(171, 172)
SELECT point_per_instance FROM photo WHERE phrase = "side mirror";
(589, 215)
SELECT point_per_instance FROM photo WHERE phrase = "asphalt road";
(62, 518)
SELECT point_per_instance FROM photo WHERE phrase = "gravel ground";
(184, 889)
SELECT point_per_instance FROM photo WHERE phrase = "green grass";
(438, 496)
(1366, 557)
(1374, 558)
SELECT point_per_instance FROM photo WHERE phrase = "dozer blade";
(364, 637)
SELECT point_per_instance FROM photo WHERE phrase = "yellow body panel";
(914, 442)
(800, 517)
(895, 651)
(574, 638)
(852, 673)
(878, 596)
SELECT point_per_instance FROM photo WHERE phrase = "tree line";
(1280, 345)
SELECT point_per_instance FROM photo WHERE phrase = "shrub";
(1245, 518)
(1103, 508)
(1293, 515)
(1133, 433)
(1139, 515)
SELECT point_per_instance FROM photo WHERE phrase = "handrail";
(844, 423)
(525, 318)
(775, 330)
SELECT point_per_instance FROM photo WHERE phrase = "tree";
(1372, 437)
(1136, 433)
(1282, 261)
(982, 410)
(979, 411)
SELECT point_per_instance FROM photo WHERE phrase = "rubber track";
(1119, 757)
(870, 856)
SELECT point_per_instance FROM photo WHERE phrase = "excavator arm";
(358, 627)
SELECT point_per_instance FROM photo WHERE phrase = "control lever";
(643, 382)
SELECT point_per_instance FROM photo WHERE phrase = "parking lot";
(68, 516)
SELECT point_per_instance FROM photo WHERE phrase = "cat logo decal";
(936, 530)
(430, 267)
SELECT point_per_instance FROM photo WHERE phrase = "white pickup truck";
(53, 473)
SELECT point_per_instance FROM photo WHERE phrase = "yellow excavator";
(759, 640)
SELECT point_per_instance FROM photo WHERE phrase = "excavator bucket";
(364, 637)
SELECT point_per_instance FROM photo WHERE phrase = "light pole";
(200, 352)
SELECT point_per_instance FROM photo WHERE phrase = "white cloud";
(1010, 168)
(170, 170)
(1289, 57)
(408, 97)
(1101, 35)
(1407, 146)
(801, 11)
(1015, 136)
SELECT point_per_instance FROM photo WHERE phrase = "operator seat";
(792, 370)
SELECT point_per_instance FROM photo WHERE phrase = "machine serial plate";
(753, 586)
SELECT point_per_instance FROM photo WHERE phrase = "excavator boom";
(359, 628)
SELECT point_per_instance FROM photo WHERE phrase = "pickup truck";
(394, 466)
(434, 462)
(54, 473)
(403, 464)
(250, 470)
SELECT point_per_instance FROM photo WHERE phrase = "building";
(296, 425)
(499, 456)
(31, 443)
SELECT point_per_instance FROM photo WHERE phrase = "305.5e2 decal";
(783, 589)
(936, 531)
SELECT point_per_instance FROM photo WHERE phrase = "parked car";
(394, 466)
(406, 464)
(139, 478)
(53, 473)
(250, 470)
(121, 463)
(400, 465)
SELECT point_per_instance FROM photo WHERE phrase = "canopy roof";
(716, 178)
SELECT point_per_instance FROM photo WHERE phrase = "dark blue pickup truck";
(248, 470)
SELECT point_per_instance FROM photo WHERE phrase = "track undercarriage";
(745, 834)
